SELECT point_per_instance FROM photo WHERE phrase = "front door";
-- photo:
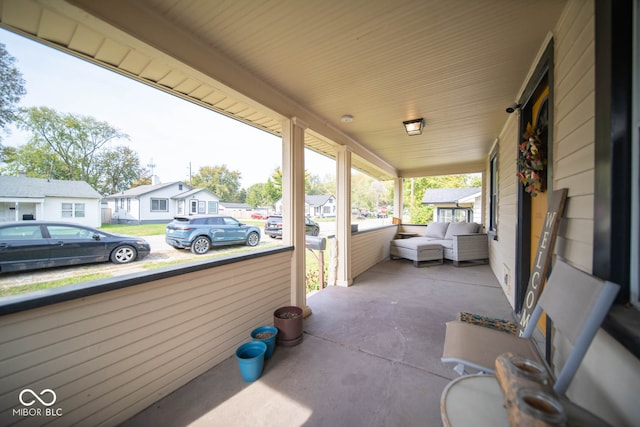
(534, 141)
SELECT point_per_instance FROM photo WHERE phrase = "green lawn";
(16, 290)
(153, 229)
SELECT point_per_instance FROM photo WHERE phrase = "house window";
(73, 210)
(159, 205)
(121, 203)
(202, 207)
(454, 214)
(493, 192)
(128, 205)
(78, 210)
(213, 207)
(194, 207)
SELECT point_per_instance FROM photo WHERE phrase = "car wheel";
(315, 231)
(123, 254)
(253, 239)
(200, 245)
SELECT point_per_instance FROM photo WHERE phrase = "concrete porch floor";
(370, 357)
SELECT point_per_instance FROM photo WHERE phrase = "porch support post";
(293, 232)
(343, 216)
(398, 197)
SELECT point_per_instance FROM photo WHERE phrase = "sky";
(173, 134)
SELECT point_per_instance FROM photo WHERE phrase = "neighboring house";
(228, 208)
(316, 205)
(455, 204)
(23, 198)
(158, 203)
(236, 210)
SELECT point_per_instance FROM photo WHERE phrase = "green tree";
(11, 88)
(220, 180)
(414, 189)
(256, 195)
(273, 187)
(74, 141)
(33, 159)
(117, 169)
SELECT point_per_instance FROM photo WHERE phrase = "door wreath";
(532, 161)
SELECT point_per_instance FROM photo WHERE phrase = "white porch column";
(293, 232)
(343, 216)
(398, 197)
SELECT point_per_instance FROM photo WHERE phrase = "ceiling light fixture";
(414, 127)
(347, 118)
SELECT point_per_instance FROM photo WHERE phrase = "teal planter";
(266, 334)
(250, 358)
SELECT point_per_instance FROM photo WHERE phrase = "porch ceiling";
(457, 63)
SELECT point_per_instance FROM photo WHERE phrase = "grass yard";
(154, 229)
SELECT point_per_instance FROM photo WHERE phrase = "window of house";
(455, 215)
(202, 207)
(493, 191)
(159, 205)
(121, 203)
(72, 210)
(78, 209)
(213, 207)
(128, 205)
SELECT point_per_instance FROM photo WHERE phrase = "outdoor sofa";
(456, 241)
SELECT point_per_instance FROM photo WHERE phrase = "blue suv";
(200, 233)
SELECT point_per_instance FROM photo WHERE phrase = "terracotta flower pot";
(288, 320)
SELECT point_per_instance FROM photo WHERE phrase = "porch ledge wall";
(107, 355)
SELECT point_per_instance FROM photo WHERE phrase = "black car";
(27, 245)
(273, 227)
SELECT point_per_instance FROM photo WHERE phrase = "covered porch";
(340, 78)
(370, 357)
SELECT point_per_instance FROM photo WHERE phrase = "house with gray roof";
(455, 204)
(159, 203)
(316, 205)
(23, 198)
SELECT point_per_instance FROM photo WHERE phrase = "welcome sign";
(543, 256)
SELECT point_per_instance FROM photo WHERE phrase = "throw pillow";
(436, 230)
(460, 228)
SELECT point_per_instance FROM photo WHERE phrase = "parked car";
(201, 232)
(259, 215)
(273, 226)
(27, 245)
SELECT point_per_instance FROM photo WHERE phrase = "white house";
(158, 203)
(316, 205)
(455, 204)
(23, 198)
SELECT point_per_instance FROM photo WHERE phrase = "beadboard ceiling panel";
(457, 63)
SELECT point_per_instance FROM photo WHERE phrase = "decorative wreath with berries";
(532, 162)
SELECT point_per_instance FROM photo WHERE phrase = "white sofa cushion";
(460, 228)
(436, 230)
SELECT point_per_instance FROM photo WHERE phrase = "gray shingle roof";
(448, 195)
(22, 186)
(317, 199)
(144, 189)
